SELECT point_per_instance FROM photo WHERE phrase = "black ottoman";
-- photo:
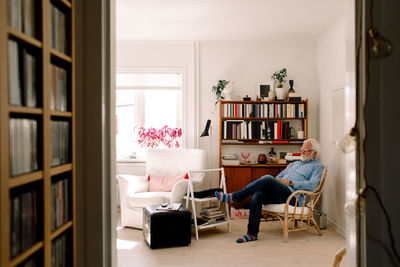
(163, 228)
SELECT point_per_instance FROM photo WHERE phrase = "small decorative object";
(258, 98)
(291, 90)
(300, 133)
(152, 137)
(218, 89)
(279, 78)
(245, 156)
(271, 156)
(246, 98)
(262, 159)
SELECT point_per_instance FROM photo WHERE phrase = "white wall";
(246, 64)
(331, 73)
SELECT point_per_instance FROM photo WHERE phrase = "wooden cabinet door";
(237, 178)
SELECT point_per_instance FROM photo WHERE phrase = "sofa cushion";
(144, 199)
(159, 183)
(280, 208)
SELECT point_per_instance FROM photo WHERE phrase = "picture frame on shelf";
(264, 90)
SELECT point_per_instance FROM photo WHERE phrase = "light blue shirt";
(304, 175)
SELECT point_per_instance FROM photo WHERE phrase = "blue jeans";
(265, 190)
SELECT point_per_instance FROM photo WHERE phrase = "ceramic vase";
(280, 93)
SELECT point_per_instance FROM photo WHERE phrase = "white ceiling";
(225, 20)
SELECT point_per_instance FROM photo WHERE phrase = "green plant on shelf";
(218, 89)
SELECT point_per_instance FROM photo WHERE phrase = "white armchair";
(134, 195)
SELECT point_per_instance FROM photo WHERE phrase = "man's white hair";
(314, 143)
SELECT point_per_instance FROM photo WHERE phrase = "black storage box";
(163, 228)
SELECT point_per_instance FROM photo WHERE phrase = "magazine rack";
(190, 197)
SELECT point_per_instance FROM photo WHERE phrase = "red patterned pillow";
(164, 183)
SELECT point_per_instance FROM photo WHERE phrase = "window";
(145, 100)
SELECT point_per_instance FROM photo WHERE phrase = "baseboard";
(336, 228)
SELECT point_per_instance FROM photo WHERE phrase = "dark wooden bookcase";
(37, 133)
(238, 176)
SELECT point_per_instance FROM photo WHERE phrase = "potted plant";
(279, 78)
(218, 89)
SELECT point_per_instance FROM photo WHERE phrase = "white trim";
(336, 228)
(149, 88)
(196, 68)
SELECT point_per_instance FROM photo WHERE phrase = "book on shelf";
(211, 211)
(23, 146)
(214, 216)
(59, 251)
(211, 208)
(60, 142)
(23, 222)
(230, 162)
(232, 142)
(59, 203)
(263, 110)
(22, 85)
(255, 129)
(58, 88)
(58, 33)
(21, 16)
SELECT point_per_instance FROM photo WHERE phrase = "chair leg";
(285, 230)
(316, 226)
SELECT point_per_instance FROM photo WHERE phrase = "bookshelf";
(37, 133)
(264, 124)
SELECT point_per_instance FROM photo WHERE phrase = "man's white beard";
(304, 158)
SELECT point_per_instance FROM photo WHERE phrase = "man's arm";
(312, 182)
(283, 173)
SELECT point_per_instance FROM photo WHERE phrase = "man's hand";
(283, 181)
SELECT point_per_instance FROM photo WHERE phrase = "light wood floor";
(217, 247)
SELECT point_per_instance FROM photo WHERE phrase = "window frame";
(184, 98)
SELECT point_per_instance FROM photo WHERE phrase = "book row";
(240, 129)
(60, 140)
(22, 75)
(58, 33)
(59, 252)
(58, 87)
(23, 146)
(267, 110)
(23, 222)
(59, 203)
(21, 16)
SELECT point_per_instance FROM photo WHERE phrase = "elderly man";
(300, 175)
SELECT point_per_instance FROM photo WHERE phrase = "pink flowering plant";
(152, 137)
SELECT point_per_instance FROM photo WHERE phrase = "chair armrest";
(131, 184)
(296, 194)
(179, 191)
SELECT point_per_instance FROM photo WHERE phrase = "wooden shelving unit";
(248, 112)
(37, 184)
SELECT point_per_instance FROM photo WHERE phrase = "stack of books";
(213, 213)
(230, 160)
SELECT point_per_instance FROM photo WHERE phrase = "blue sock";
(246, 238)
(224, 198)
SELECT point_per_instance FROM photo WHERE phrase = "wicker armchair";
(301, 217)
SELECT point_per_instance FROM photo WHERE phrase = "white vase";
(227, 92)
(271, 94)
(280, 93)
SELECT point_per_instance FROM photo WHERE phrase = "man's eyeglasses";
(306, 150)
